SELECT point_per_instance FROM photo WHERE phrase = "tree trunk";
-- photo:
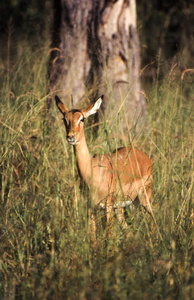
(96, 50)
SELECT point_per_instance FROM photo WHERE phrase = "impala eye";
(81, 119)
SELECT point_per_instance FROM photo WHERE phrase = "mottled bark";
(97, 52)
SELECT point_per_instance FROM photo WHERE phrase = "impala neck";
(84, 160)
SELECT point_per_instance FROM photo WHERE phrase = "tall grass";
(45, 248)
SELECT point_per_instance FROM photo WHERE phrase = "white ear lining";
(94, 109)
(98, 103)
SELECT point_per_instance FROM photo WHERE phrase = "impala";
(126, 174)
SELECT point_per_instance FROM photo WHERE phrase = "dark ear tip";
(102, 97)
(57, 100)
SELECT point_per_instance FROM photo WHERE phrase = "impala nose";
(71, 139)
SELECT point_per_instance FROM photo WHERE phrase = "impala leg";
(109, 213)
(92, 227)
(120, 217)
(119, 213)
(146, 200)
(146, 197)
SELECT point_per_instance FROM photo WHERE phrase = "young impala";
(126, 173)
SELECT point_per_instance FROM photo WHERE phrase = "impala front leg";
(92, 227)
(109, 212)
(120, 217)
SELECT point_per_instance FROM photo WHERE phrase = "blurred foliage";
(166, 25)
(166, 28)
(45, 248)
(28, 17)
(45, 242)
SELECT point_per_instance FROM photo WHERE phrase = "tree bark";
(95, 50)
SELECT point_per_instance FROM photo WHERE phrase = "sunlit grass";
(45, 248)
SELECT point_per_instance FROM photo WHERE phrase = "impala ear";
(92, 108)
(60, 105)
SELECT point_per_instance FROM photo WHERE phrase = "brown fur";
(127, 172)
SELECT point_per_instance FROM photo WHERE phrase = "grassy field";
(45, 248)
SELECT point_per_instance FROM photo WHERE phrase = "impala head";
(74, 119)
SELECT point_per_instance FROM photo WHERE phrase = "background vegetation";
(45, 248)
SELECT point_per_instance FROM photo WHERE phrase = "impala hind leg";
(146, 197)
(146, 200)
